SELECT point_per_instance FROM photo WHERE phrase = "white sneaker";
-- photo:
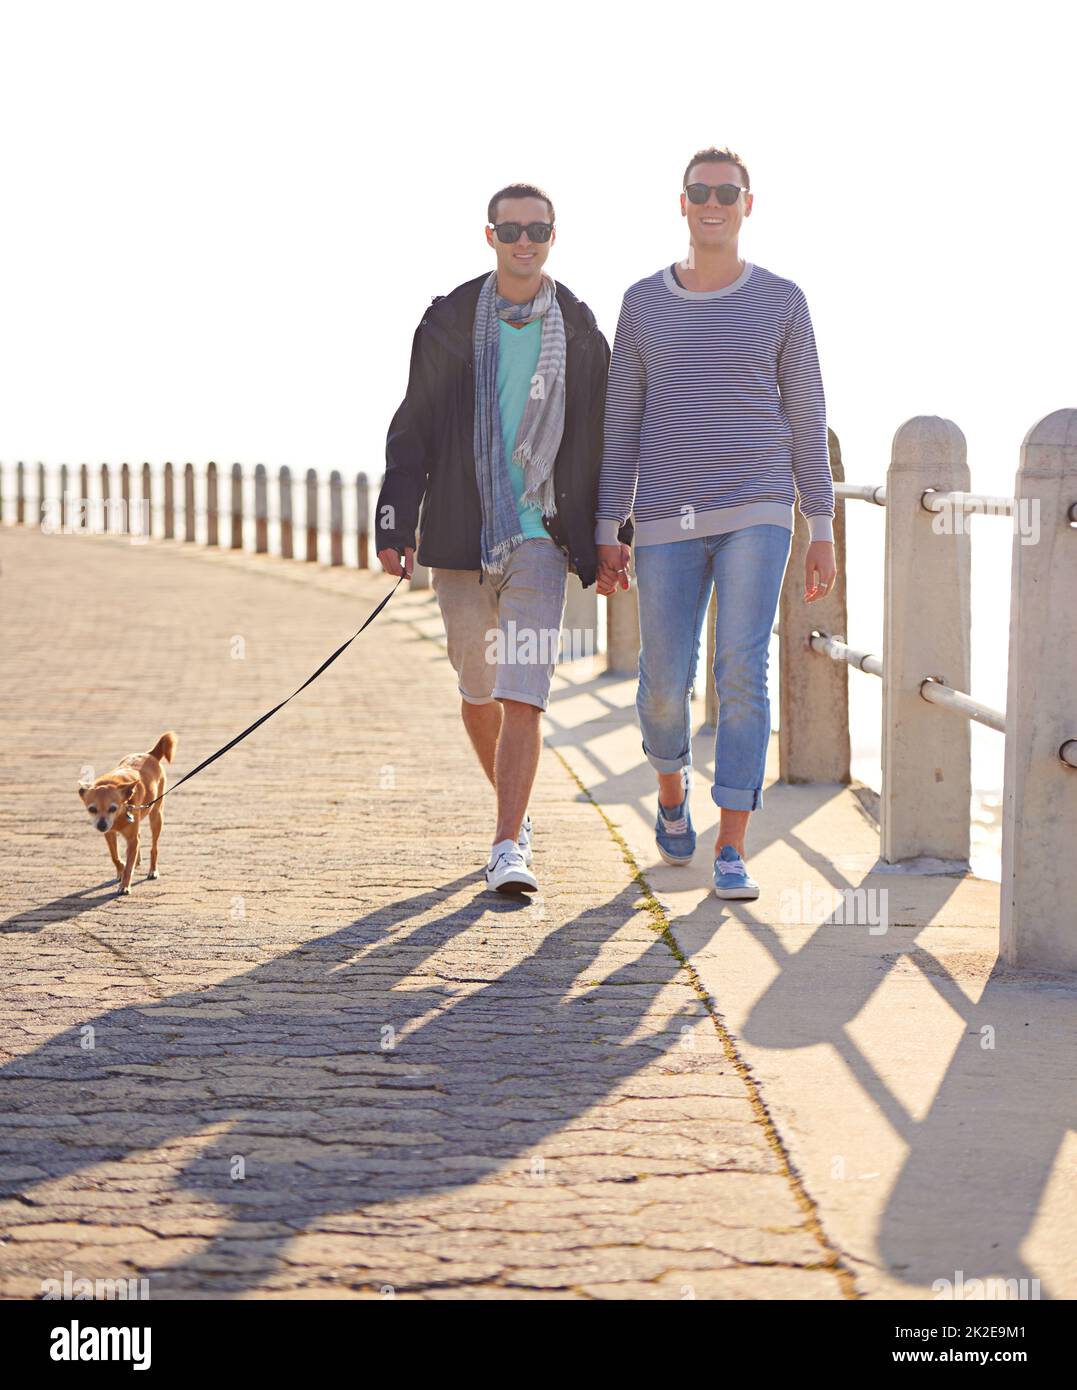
(507, 871)
(524, 840)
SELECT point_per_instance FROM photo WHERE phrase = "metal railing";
(925, 670)
(925, 666)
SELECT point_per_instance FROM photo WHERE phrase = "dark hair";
(716, 156)
(518, 190)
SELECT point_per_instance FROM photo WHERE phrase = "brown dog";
(111, 801)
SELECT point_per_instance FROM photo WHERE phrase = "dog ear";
(83, 788)
(129, 790)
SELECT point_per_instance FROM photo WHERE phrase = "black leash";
(239, 737)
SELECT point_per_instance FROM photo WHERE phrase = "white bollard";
(926, 751)
(420, 574)
(813, 735)
(579, 626)
(1038, 898)
(622, 632)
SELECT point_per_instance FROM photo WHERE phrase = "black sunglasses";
(511, 231)
(728, 193)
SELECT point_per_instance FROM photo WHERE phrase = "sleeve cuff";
(606, 531)
(820, 528)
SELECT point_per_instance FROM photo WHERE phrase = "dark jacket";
(430, 450)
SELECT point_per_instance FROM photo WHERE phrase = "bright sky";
(223, 220)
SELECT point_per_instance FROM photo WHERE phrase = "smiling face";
(523, 259)
(712, 224)
(105, 802)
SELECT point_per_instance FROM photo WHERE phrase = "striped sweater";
(714, 409)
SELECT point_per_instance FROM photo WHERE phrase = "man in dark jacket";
(494, 456)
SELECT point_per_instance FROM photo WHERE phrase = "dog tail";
(165, 747)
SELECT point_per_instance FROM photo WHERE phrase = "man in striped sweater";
(715, 424)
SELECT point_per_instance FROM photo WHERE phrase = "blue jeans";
(674, 580)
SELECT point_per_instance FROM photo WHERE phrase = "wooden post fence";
(312, 516)
(212, 536)
(261, 510)
(362, 519)
(336, 519)
(188, 503)
(237, 507)
(170, 502)
(286, 538)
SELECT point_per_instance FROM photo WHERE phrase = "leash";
(240, 737)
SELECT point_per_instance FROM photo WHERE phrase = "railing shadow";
(998, 1115)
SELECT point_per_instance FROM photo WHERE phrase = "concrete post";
(106, 498)
(125, 493)
(1038, 903)
(622, 632)
(420, 574)
(336, 519)
(362, 519)
(63, 497)
(20, 494)
(237, 506)
(145, 524)
(926, 752)
(190, 517)
(813, 735)
(170, 502)
(312, 516)
(42, 493)
(286, 540)
(212, 537)
(261, 510)
(579, 627)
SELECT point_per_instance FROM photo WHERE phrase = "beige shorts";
(504, 634)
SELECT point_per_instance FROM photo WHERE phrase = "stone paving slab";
(317, 1057)
(923, 1091)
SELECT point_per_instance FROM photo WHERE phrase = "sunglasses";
(512, 231)
(728, 193)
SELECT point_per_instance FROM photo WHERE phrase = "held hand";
(390, 561)
(820, 571)
(613, 562)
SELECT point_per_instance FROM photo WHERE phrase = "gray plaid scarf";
(543, 423)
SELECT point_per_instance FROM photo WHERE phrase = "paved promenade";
(317, 1058)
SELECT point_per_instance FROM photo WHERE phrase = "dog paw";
(125, 892)
(154, 873)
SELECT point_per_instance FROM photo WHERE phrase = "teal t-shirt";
(517, 358)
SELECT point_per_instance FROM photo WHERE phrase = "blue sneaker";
(731, 878)
(673, 833)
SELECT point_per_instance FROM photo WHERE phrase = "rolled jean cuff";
(737, 798)
(668, 764)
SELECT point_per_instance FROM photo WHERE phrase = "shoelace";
(674, 827)
(732, 866)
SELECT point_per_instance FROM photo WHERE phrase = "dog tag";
(130, 815)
